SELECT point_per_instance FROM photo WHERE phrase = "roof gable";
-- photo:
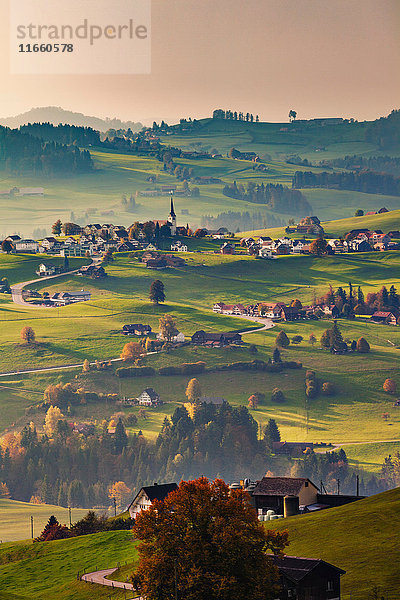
(281, 486)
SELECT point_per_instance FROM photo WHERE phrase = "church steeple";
(172, 218)
(172, 212)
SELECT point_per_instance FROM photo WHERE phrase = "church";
(171, 220)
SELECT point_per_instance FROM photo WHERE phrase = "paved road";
(60, 368)
(268, 323)
(16, 290)
(99, 577)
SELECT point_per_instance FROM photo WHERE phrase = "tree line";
(63, 133)
(234, 115)
(379, 164)
(368, 182)
(22, 153)
(241, 221)
(276, 196)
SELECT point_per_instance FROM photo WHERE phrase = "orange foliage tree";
(120, 491)
(205, 541)
(132, 351)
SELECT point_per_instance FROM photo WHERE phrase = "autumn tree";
(282, 340)
(28, 335)
(312, 339)
(205, 541)
(120, 492)
(56, 228)
(86, 366)
(362, 346)
(132, 351)
(319, 246)
(157, 293)
(168, 327)
(277, 395)
(7, 246)
(4, 492)
(52, 417)
(389, 386)
(253, 402)
(53, 531)
(193, 390)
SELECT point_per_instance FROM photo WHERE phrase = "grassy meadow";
(15, 522)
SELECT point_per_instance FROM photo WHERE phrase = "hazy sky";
(319, 57)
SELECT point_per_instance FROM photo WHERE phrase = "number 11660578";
(45, 48)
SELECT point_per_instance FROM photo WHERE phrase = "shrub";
(362, 346)
(192, 368)
(389, 386)
(135, 372)
(328, 389)
(277, 395)
(297, 339)
(282, 340)
(311, 391)
(169, 371)
(292, 364)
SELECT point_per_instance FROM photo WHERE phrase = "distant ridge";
(56, 115)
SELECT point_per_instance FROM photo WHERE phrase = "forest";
(22, 153)
(368, 182)
(277, 197)
(71, 469)
(241, 221)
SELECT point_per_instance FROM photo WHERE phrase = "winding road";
(99, 577)
(16, 290)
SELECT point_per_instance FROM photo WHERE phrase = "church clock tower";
(172, 218)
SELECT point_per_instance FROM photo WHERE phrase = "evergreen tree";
(120, 437)
(282, 340)
(157, 294)
(393, 299)
(337, 339)
(271, 433)
(360, 296)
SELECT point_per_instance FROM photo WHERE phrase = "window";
(306, 484)
(291, 593)
(330, 586)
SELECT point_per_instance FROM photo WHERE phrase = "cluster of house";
(307, 225)
(365, 240)
(205, 338)
(155, 260)
(299, 577)
(141, 330)
(275, 310)
(92, 271)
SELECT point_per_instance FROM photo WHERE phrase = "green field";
(15, 521)
(48, 570)
(360, 538)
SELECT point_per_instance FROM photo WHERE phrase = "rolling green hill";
(360, 538)
(15, 523)
(48, 570)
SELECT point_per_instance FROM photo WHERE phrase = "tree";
(328, 389)
(337, 339)
(359, 213)
(296, 304)
(53, 531)
(292, 115)
(168, 327)
(326, 339)
(193, 390)
(121, 492)
(157, 294)
(276, 356)
(277, 395)
(56, 228)
(132, 351)
(71, 229)
(297, 339)
(28, 335)
(319, 246)
(389, 386)
(271, 433)
(362, 346)
(189, 548)
(120, 437)
(312, 339)
(7, 246)
(86, 366)
(4, 492)
(52, 417)
(282, 340)
(253, 402)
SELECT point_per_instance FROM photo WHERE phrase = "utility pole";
(115, 507)
(358, 485)
(69, 512)
(338, 487)
(31, 527)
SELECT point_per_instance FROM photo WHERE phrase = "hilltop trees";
(157, 294)
(188, 548)
(292, 115)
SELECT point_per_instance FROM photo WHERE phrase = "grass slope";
(48, 570)
(389, 221)
(15, 523)
(361, 538)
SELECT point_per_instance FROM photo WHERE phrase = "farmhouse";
(136, 329)
(291, 448)
(146, 496)
(216, 339)
(27, 246)
(176, 339)
(62, 298)
(149, 397)
(211, 400)
(270, 492)
(92, 271)
(388, 318)
(46, 270)
(227, 248)
(307, 578)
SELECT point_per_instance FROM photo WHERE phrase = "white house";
(266, 253)
(179, 337)
(45, 270)
(179, 247)
(27, 246)
(146, 496)
(149, 397)
(48, 243)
